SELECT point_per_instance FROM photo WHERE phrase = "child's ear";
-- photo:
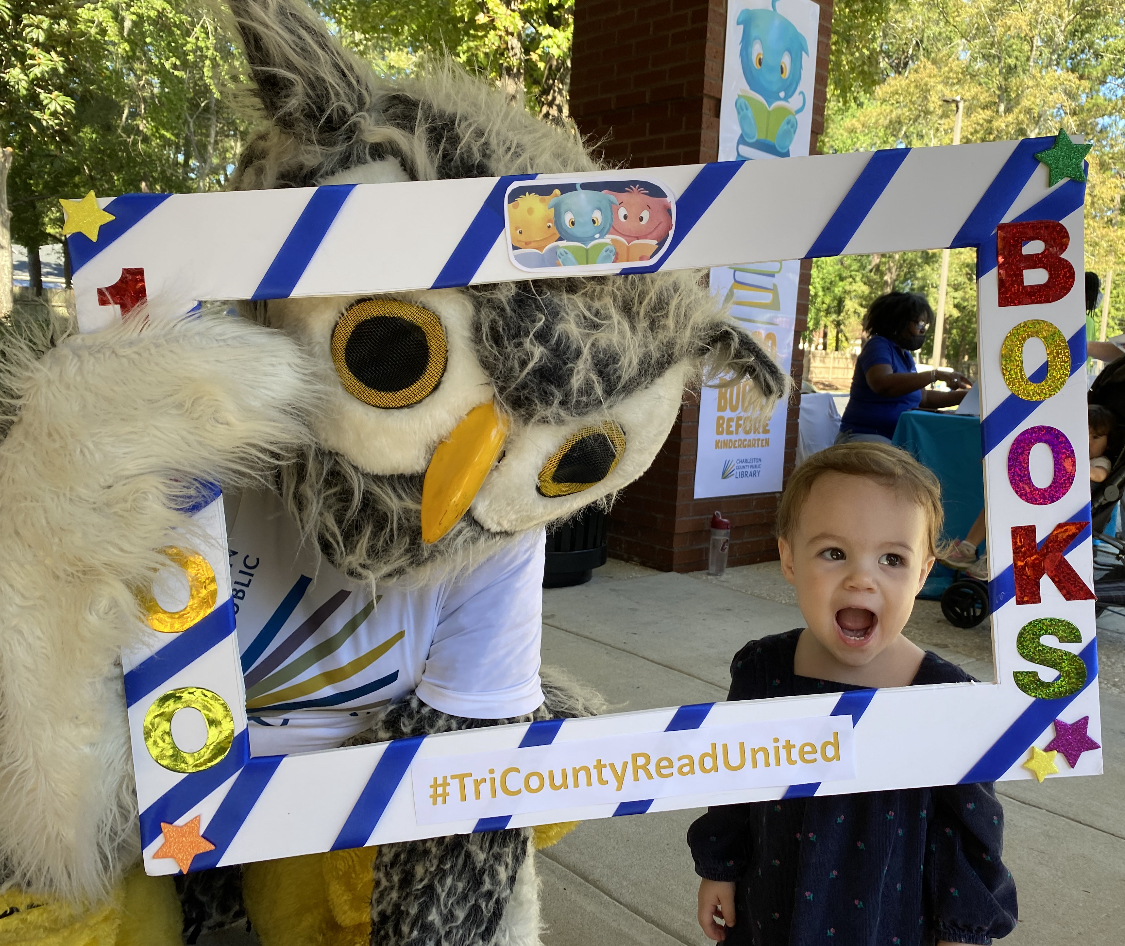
(786, 555)
(926, 566)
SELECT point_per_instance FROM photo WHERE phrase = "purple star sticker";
(1071, 740)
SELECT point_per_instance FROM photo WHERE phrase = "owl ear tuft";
(731, 355)
(307, 83)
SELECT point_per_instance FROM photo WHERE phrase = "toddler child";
(1102, 423)
(857, 530)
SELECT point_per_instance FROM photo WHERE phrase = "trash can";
(575, 549)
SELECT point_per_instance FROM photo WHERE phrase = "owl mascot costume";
(402, 453)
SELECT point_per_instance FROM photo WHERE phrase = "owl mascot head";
(410, 442)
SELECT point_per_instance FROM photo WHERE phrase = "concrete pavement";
(646, 639)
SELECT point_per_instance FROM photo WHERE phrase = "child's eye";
(833, 555)
(893, 560)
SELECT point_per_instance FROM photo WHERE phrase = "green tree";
(1023, 69)
(523, 45)
(112, 96)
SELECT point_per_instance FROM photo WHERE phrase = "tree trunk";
(35, 270)
(511, 52)
(5, 236)
(555, 96)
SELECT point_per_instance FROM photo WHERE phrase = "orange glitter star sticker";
(182, 843)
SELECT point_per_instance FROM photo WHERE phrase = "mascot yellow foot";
(142, 911)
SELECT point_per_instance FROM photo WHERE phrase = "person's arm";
(1103, 351)
(933, 399)
(718, 842)
(971, 893)
(887, 383)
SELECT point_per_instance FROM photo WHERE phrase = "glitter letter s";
(1019, 472)
(1030, 563)
(158, 729)
(1058, 360)
(1072, 670)
(1012, 262)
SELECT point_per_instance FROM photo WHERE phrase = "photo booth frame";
(221, 806)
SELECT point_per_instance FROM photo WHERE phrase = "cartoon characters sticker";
(768, 78)
(601, 225)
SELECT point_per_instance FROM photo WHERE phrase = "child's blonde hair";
(880, 462)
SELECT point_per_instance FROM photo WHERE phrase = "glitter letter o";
(1019, 471)
(203, 592)
(158, 729)
(1058, 360)
(1071, 668)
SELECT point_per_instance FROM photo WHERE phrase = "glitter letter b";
(1012, 262)
(1030, 562)
(1071, 668)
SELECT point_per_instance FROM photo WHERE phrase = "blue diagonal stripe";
(691, 205)
(690, 716)
(376, 795)
(1013, 411)
(303, 241)
(857, 203)
(190, 790)
(851, 703)
(541, 733)
(1001, 194)
(205, 494)
(479, 238)
(336, 699)
(1018, 737)
(182, 650)
(276, 622)
(1057, 205)
(1002, 588)
(633, 807)
(128, 210)
(499, 823)
(235, 808)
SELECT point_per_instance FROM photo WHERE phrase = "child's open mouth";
(856, 625)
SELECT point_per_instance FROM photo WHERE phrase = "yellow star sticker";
(84, 216)
(1042, 763)
(183, 842)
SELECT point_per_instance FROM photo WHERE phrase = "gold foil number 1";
(203, 592)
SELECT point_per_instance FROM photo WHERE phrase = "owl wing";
(107, 435)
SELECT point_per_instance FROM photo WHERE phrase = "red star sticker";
(182, 843)
(1071, 739)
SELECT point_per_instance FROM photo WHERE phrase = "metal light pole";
(943, 282)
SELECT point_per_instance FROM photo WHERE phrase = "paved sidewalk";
(647, 639)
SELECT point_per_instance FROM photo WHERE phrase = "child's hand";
(1098, 474)
(716, 900)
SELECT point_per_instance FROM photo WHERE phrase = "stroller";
(965, 602)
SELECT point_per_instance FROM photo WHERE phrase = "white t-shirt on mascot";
(321, 654)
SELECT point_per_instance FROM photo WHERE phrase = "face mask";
(914, 342)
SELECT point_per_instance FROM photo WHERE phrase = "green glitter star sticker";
(1064, 159)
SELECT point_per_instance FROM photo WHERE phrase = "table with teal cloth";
(949, 446)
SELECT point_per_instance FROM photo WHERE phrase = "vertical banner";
(766, 112)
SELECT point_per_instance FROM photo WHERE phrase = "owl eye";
(588, 457)
(786, 59)
(756, 54)
(389, 353)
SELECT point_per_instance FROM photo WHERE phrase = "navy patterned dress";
(894, 868)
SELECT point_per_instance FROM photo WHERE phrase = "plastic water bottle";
(720, 545)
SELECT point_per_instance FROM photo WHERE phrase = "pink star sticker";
(1071, 740)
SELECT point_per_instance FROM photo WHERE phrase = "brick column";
(646, 82)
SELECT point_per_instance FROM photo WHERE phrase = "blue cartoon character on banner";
(770, 53)
(583, 220)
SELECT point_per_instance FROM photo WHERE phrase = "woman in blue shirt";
(886, 381)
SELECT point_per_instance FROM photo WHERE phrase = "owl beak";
(458, 469)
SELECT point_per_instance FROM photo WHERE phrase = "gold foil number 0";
(203, 592)
(158, 729)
